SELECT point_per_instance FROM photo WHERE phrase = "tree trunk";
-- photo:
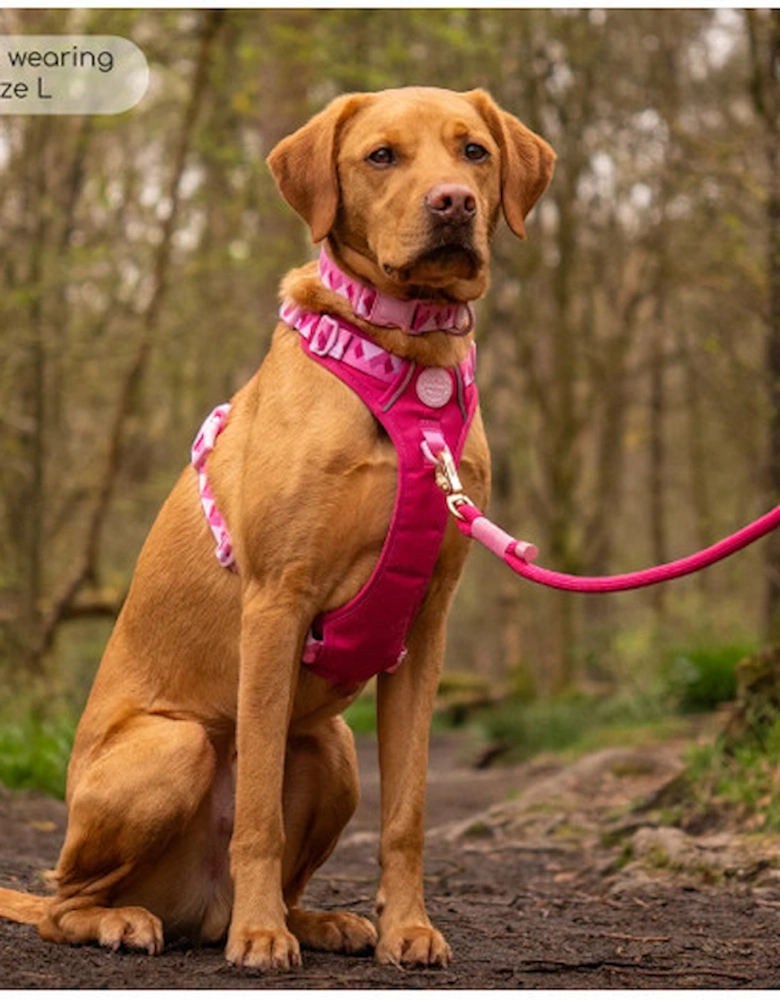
(33, 521)
(85, 569)
(657, 454)
(764, 37)
(701, 494)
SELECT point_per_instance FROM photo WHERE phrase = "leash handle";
(520, 555)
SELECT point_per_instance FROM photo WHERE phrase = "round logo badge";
(434, 387)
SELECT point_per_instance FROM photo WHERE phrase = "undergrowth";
(34, 748)
(683, 681)
(361, 716)
(701, 677)
(34, 752)
(577, 723)
(743, 781)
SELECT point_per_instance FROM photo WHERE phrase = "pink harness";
(424, 411)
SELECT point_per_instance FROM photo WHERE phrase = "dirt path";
(526, 893)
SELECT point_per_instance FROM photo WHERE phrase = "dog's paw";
(416, 945)
(333, 930)
(267, 950)
(131, 927)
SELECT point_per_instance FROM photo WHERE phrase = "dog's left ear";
(304, 165)
(527, 161)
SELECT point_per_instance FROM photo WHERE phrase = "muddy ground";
(537, 874)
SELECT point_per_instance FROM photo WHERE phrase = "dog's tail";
(23, 907)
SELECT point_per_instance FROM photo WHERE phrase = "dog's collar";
(413, 316)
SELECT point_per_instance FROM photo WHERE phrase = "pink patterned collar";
(413, 316)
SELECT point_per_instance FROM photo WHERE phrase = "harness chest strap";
(423, 410)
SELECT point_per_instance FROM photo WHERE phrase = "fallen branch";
(98, 605)
(642, 939)
(555, 965)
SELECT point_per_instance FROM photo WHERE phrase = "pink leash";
(519, 555)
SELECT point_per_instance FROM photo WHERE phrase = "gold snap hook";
(448, 481)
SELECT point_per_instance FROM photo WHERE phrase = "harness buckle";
(324, 338)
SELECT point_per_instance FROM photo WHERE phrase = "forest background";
(629, 350)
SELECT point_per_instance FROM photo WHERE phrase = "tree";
(31, 632)
(764, 37)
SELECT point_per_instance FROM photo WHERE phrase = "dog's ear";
(527, 161)
(304, 165)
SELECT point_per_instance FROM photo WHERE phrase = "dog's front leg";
(404, 708)
(271, 640)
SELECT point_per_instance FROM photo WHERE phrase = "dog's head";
(408, 185)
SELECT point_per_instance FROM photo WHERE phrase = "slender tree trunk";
(697, 453)
(773, 359)
(34, 515)
(86, 567)
(614, 396)
(563, 463)
(764, 37)
(505, 595)
(657, 452)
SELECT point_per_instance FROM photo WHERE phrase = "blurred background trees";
(629, 349)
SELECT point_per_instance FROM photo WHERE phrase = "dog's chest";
(363, 491)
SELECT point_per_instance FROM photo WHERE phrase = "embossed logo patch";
(434, 387)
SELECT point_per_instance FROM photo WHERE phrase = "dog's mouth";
(439, 266)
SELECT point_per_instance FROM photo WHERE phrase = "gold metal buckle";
(448, 481)
(455, 500)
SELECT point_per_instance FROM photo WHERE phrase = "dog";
(212, 772)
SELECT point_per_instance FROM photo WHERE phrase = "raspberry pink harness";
(427, 413)
(424, 411)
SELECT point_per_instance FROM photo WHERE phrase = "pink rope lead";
(519, 556)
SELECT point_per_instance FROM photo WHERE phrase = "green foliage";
(744, 781)
(648, 702)
(34, 753)
(701, 678)
(575, 722)
(361, 715)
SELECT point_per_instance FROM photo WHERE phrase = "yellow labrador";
(212, 773)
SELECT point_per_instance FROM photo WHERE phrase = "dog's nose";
(454, 203)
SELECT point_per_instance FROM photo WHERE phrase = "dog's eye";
(474, 152)
(382, 157)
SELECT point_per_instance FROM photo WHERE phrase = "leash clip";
(448, 481)
(455, 501)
